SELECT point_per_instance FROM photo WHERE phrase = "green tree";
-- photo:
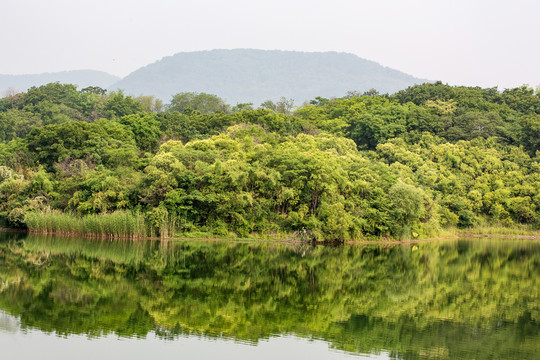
(202, 102)
(79, 140)
(242, 106)
(150, 103)
(284, 106)
(17, 123)
(530, 133)
(94, 90)
(407, 208)
(119, 105)
(269, 104)
(145, 129)
(55, 93)
(522, 99)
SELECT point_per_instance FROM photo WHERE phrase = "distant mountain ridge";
(237, 76)
(82, 78)
(248, 75)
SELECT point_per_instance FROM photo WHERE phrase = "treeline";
(365, 165)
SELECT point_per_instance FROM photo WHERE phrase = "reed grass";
(118, 224)
(493, 230)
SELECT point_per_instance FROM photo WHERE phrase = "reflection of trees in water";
(468, 298)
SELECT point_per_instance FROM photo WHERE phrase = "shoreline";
(451, 237)
(285, 239)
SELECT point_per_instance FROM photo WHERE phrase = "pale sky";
(461, 42)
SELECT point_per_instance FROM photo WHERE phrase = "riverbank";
(446, 234)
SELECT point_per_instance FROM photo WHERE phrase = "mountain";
(82, 78)
(247, 75)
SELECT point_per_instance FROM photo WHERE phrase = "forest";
(365, 166)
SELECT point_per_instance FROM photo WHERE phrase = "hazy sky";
(462, 42)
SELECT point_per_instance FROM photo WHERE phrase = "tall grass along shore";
(118, 224)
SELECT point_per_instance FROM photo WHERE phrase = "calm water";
(70, 298)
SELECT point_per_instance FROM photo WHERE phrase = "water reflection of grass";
(122, 252)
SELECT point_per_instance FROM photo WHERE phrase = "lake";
(64, 298)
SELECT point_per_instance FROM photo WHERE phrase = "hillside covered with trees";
(366, 165)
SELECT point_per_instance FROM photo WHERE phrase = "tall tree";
(202, 102)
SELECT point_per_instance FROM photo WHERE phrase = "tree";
(407, 207)
(150, 103)
(473, 124)
(522, 99)
(119, 105)
(94, 90)
(382, 121)
(145, 129)
(242, 106)
(269, 104)
(530, 133)
(55, 93)
(202, 102)
(320, 101)
(284, 106)
(12, 99)
(371, 93)
(17, 123)
(352, 94)
(74, 139)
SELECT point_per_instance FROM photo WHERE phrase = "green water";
(459, 299)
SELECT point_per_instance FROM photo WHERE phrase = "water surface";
(457, 299)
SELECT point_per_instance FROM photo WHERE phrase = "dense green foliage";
(366, 165)
(455, 299)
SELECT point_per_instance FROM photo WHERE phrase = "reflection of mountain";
(456, 299)
(248, 75)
